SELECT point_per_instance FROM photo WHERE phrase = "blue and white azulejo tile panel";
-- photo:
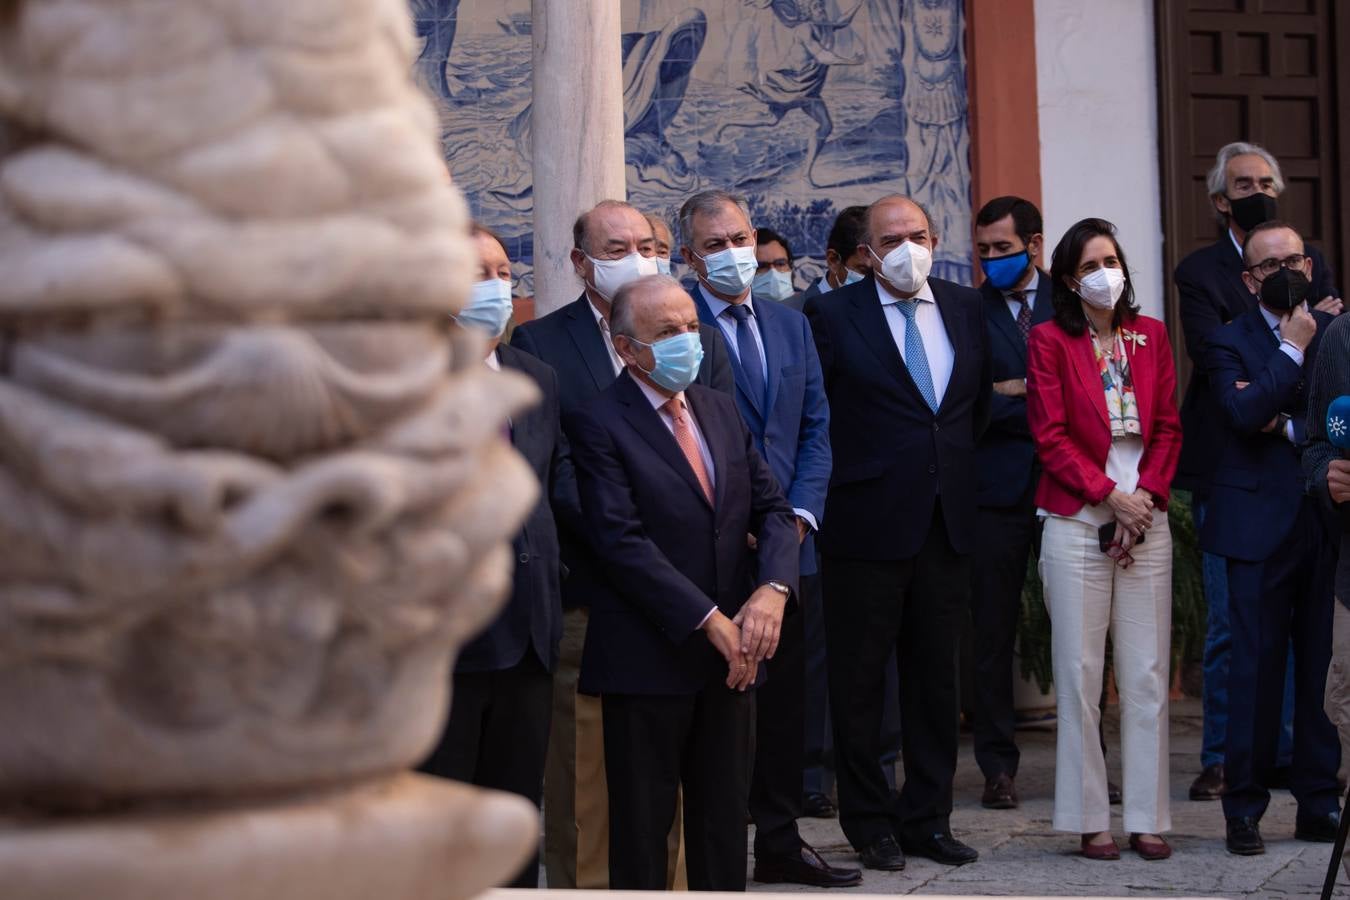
(803, 106)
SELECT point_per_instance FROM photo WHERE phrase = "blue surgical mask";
(663, 265)
(489, 307)
(772, 285)
(852, 276)
(730, 271)
(1004, 272)
(677, 360)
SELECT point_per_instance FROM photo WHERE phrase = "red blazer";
(1066, 409)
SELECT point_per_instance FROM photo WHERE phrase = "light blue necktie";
(916, 358)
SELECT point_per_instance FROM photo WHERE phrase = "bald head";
(611, 229)
(896, 216)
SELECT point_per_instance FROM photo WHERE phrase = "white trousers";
(1086, 594)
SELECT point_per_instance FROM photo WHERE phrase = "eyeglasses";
(1268, 267)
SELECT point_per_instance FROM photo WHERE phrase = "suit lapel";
(954, 322)
(1240, 299)
(1083, 358)
(710, 425)
(870, 320)
(772, 364)
(1141, 377)
(996, 309)
(581, 325)
(648, 423)
(522, 424)
(706, 317)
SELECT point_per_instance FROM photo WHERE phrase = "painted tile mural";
(804, 106)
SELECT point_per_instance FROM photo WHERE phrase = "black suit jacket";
(671, 555)
(1209, 282)
(569, 341)
(1005, 460)
(532, 619)
(892, 454)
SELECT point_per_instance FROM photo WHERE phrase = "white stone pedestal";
(407, 837)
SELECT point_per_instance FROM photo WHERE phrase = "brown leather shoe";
(1109, 850)
(1149, 849)
(999, 793)
(1209, 785)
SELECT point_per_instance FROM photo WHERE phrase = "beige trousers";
(1337, 703)
(576, 802)
(1087, 594)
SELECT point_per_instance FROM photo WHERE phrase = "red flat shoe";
(1105, 851)
(1150, 850)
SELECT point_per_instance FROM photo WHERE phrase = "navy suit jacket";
(1212, 294)
(1005, 459)
(1258, 485)
(793, 433)
(892, 454)
(671, 555)
(532, 619)
(569, 341)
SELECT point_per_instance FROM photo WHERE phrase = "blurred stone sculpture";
(252, 496)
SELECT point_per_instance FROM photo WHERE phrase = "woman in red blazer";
(1101, 403)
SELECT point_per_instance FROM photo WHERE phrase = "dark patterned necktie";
(1023, 314)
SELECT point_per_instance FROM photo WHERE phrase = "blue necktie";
(747, 351)
(916, 358)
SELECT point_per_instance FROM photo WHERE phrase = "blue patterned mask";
(1004, 272)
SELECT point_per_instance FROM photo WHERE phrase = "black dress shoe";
(1208, 785)
(1113, 793)
(1244, 837)
(999, 793)
(818, 806)
(804, 867)
(883, 854)
(941, 848)
(1318, 828)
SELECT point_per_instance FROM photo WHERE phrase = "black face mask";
(1284, 290)
(1250, 211)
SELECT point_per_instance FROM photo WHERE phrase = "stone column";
(577, 132)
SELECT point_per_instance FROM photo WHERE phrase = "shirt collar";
(493, 362)
(717, 306)
(887, 298)
(1029, 290)
(654, 397)
(599, 317)
(1272, 320)
(1236, 246)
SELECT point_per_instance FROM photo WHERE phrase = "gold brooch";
(1134, 337)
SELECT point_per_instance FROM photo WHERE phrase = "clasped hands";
(750, 638)
(1134, 515)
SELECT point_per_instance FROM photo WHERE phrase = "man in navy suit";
(675, 493)
(1016, 296)
(845, 263)
(782, 400)
(1243, 186)
(1276, 540)
(907, 372)
(613, 244)
(498, 728)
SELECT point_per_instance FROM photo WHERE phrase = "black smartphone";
(1107, 533)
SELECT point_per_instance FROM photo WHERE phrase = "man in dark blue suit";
(1276, 540)
(782, 400)
(613, 244)
(1016, 296)
(498, 728)
(907, 373)
(674, 493)
(1243, 186)
(845, 263)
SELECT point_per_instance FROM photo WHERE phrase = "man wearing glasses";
(1244, 188)
(1276, 541)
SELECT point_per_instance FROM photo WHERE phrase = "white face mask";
(612, 274)
(1101, 288)
(906, 266)
(730, 271)
(772, 285)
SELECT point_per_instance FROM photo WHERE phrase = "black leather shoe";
(883, 854)
(1208, 785)
(1244, 837)
(999, 793)
(1318, 828)
(1113, 793)
(805, 867)
(941, 848)
(818, 806)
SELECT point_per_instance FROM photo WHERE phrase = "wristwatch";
(779, 587)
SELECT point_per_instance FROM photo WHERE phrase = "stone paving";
(1021, 854)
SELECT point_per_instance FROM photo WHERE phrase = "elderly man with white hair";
(1244, 187)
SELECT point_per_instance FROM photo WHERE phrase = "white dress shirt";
(721, 311)
(1289, 350)
(603, 325)
(1015, 306)
(936, 345)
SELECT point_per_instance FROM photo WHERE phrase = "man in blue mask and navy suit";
(782, 400)
(674, 494)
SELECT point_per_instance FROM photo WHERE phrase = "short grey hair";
(1217, 179)
(708, 202)
(621, 307)
(867, 217)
